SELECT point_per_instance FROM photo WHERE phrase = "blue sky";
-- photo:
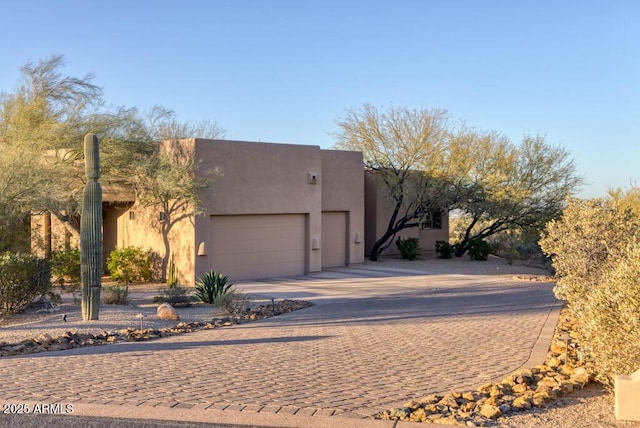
(284, 71)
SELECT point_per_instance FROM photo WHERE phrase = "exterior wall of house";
(260, 179)
(138, 226)
(343, 192)
(61, 235)
(379, 207)
(273, 197)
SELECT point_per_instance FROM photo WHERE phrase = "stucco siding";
(343, 190)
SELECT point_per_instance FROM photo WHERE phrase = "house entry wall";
(258, 246)
(109, 232)
(334, 239)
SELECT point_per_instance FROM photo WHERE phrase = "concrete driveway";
(377, 336)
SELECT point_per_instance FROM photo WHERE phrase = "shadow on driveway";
(151, 346)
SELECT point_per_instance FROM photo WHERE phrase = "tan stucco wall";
(379, 207)
(261, 178)
(343, 190)
(58, 232)
(269, 178)
(144, 231)
(428, 237)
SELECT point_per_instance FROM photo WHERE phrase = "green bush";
(65, 266)
(408, 247)
(595, 250)
(115, 295)
(130, 264)
(479, 249)
(444, 250)
(212, 287)
(23, 277)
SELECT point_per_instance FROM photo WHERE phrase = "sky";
(286, 70)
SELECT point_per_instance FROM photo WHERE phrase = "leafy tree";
(42, 124)
(172, 179)
(41, 133)
(427, 166)
(405, 149)
(506, 187)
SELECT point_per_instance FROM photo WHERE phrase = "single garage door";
(258, 246)
(334, 239)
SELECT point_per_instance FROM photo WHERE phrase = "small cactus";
(172, 274)
(91, 231)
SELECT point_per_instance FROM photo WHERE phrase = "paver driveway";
(374, 339)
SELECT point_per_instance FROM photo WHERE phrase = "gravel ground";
(590, 407)
(112, 318)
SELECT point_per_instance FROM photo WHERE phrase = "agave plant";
(211, 286)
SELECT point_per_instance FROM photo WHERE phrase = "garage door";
(258, 246)
(334, 239)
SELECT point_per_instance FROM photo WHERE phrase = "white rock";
(167, 312)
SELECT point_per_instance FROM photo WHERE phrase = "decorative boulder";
(167, 312)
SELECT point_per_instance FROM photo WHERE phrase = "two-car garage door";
(258, 246)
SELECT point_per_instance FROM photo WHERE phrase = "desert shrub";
(611, 333)
(212, 286)
(444, 250)
(23, 277)
(234, 302)
(173, 294)
(518, 245)
(585, 242)
(129, 264)
(479, 249)
(408, 247)
(595, 250)
(115, 295)
(65, 267)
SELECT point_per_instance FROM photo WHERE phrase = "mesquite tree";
(91, 231)
(426, 166)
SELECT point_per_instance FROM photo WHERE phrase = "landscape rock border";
(562, 372)
(73, 339)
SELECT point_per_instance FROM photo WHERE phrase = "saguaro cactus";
(91, 231)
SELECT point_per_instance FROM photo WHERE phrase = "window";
(432, 220)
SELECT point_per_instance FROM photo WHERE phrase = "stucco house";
(274, 210)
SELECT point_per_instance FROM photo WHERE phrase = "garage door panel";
(334, 239)
(257, 246)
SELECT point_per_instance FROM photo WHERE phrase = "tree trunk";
(47, 235)
(461, 248)
(377, 247)
(165, 229)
